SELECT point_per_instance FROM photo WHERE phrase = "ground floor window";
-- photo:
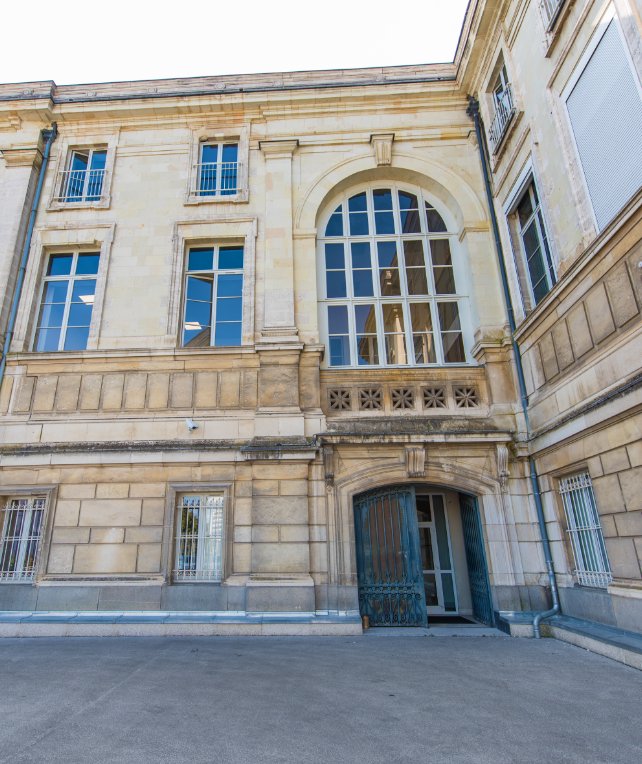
(21, 520)
(199, 538)
(585, 532)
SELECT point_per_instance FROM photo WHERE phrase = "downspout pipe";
(473, 113)
(48, 136)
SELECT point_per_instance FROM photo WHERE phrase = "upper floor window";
(217, 173)
(604, 104)
(21, 524)
(503, 108)
(534, 243)
(67, 301)
(84, 176)
(389, 291)
(213, 313)
(551, 10)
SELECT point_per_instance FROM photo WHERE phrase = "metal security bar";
(585, 532)
(80, 185)
(216, 179)
(504, 112)
(551, 10)
(199, 539)
(22, 521)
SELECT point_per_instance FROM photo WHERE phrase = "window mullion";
(436, 331)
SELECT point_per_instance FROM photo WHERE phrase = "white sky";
(70, 41)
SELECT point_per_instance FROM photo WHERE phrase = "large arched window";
(388, 283)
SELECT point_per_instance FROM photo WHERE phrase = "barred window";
(199, 538)
(585, 532)
(22, 523)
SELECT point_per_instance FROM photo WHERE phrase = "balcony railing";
(80, 185)
(551, 10)
(504, 113)
(216, 179)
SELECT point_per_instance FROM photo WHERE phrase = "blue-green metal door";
(476, 560)
(389, 570)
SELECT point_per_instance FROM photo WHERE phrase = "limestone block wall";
(588, 339)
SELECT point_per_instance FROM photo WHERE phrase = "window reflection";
(387, 258)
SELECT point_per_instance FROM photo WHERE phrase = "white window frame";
(584, 531)
(194, 544)
(219, 170)
(24, 539)
(68, 179)
(211, 136)
(504, 109)
(72, 278)
(215, 272)
(66, 147)
(609, 16)
(527, 178)
(58, 239)
(432, 299)
(225, 230)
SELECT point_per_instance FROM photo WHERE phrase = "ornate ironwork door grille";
(476, 559)
(391, 589)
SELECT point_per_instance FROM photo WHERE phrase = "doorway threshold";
(446, 630)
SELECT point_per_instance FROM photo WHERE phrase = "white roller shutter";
(605, 110)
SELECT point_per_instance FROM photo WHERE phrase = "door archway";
(419, 553)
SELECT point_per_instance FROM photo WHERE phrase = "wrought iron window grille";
(584, 530)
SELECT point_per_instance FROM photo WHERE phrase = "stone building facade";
(261, 363)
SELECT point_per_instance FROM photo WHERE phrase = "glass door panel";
(436, 555)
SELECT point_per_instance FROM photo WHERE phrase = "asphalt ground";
(309, 699)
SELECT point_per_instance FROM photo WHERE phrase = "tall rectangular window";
(83, 179)
(534, 243)
(585, 532)
(213, 296)
(21, 521)
(605, 111)
(199, 538)
(218, 169)
(67, 301)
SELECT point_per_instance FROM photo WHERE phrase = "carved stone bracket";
(328, 465)
(502, 467)
(382, 147)
(415, 461)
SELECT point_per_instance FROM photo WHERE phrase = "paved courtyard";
(300, 700)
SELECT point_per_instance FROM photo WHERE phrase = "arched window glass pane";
(358, 211)
(435, 221)
(335, 224)
(384, 217)
(409, 210)
(361, 269)
(388, 272)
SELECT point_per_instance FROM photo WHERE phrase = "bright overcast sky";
(70, 41)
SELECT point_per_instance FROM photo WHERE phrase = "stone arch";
(390, 472)
(455, 193)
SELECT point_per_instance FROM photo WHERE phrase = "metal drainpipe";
(49, 137)
(473, 113)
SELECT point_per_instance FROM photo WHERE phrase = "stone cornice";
(279, 149)
(25, 156)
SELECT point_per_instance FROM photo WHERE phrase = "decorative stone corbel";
(328, 465)
(415, 461)
(502, 467)
(382, 147)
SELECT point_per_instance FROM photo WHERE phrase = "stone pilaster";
(278, 320)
